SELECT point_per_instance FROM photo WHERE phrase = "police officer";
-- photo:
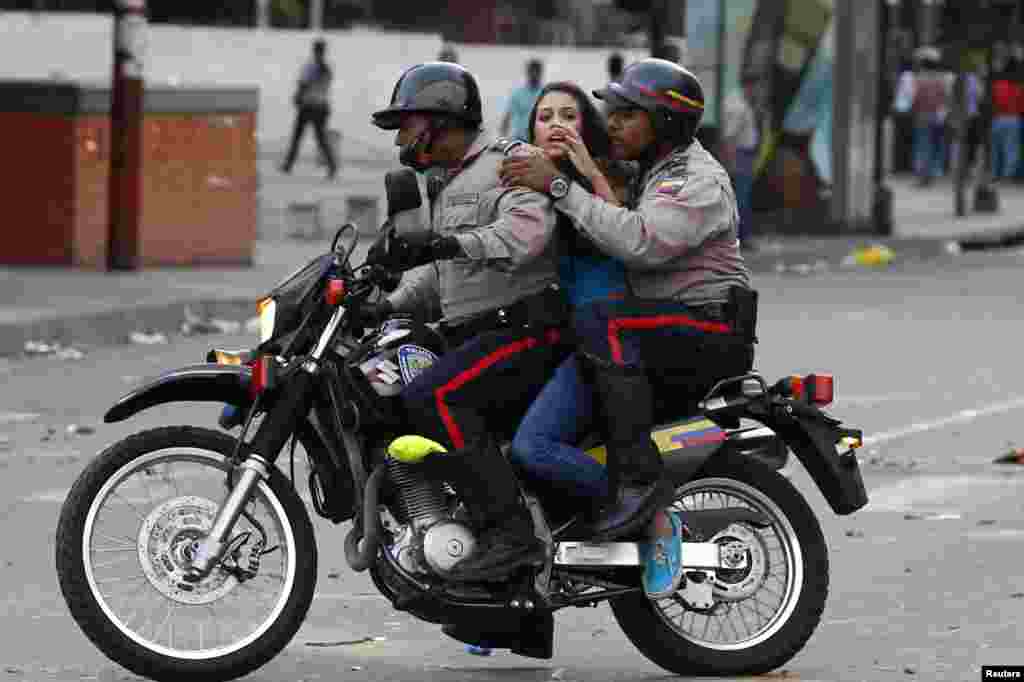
(491, 267)
(688, 319)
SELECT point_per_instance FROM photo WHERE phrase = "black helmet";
(671, 94)
(433, 88)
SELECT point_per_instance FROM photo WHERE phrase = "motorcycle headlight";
(267, 310)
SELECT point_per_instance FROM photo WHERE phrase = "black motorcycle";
(187, 553)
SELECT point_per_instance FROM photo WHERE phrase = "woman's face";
(631, 132)
(556, 112)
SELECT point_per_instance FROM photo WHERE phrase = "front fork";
(270, 438)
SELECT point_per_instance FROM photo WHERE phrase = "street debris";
(147, 338)
(50, 432)
(875, 255)
(195, 324)
(356, 668)
(909, 671)
(1014, 456)
(854, 534)
(600, 632)
(334, 575)
(79, 430)
(987, 522)
(41, 348)
(348, 642)
(558, 674)
(5, 443)
(803, 269)
(1017, 595)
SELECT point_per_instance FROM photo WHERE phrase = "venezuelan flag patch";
(698, 431)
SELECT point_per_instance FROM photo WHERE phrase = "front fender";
(206, 382)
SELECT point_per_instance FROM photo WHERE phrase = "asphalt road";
(925, 581)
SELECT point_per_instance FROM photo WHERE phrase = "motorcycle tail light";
(819, 389)
(795, 387)
(334, 292)
(262, 374)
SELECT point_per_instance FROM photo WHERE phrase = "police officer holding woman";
(491, 268)
(688, 317)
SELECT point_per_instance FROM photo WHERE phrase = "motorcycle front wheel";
(762, 613)
(127, 531)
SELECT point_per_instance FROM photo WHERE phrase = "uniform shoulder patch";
(505, 145)
(669, 187)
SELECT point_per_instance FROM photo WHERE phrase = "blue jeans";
(1005, 145)
(544, 444)
(929, 150)
(743, 185)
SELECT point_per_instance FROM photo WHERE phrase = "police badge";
(413, 361)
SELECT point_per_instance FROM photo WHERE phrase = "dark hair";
(593, 131)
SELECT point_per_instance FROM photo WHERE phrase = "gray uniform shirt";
(679, 239)
(507, 235)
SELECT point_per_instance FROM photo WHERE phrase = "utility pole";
(263, 13)
(316, 15)
(124, 195)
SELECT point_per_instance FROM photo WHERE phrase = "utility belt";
(739, 312)
(545, 309)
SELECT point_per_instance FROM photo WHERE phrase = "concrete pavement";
(83, 309)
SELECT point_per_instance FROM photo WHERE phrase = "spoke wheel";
(763, 609)
(128, 531)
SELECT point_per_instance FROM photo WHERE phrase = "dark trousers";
(483, 386)
(317, 117)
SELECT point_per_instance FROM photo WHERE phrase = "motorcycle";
(188, 552)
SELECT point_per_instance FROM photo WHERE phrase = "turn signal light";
(335, 291)
(263, 370)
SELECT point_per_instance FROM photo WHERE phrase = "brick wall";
(39, 203)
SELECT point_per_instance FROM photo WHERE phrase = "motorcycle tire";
(647, 627)
(114, 637)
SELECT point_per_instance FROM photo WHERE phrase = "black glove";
(373, 314)
(398, 255)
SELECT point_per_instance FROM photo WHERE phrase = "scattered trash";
(334, 575)
(50, 431)
(870, 256)
(40, 348)
(194, 324)
(912, 517)
(953, 248)
(343, 642)
(1017, 595)
(79, 430)
(854, 534)
(5, 443)
(953, 628)
(910, 671)
(1014, 456)
(599, 633)
(987, 522)
(147, 339)
(558, 674)
(356, 668)
(907, 570)
(14, 671)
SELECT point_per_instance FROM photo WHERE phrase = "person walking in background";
(927, 92)
(448, 54)
(516, 122)
(312, 103)
(1007, 96)
(740, 139)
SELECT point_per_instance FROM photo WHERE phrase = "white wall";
(367, 63)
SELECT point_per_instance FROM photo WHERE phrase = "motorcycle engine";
(429, 539)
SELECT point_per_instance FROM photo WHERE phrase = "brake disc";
(168, 539)
(744, 563)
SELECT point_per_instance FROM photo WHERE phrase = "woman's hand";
(572, 147)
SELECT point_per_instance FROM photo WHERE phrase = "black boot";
(486, 483)
(636, 483)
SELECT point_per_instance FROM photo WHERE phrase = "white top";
(739, 125)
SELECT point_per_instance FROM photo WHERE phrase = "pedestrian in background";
(516, 122)
(1007, 101)
(927, 92)
(448, 54)
(312, 104)
(740, 139)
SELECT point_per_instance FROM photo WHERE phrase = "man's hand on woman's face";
(572, 147)
(535, 172)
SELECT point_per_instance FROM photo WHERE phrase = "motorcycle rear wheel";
(164, 487)
(669, 632)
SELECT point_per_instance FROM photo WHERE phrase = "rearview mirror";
(403, 191)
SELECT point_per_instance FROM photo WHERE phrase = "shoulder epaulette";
(505, 145)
